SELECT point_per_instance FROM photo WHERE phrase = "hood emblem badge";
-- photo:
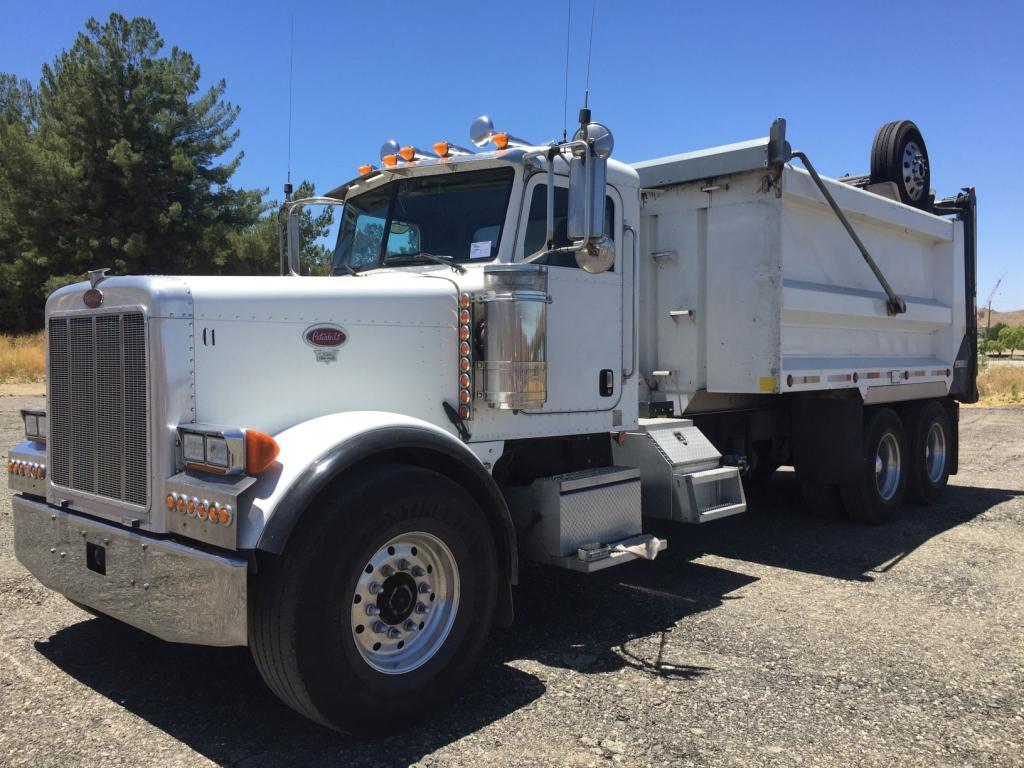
(325, 339)
(93, 298)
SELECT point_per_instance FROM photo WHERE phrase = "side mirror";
(588, 170)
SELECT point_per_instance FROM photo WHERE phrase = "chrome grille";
(98, 405)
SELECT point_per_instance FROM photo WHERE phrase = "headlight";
(226, 451)
(217, 451)
(35, 424)
(192, 447)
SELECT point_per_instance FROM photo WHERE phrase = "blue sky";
(666, 76)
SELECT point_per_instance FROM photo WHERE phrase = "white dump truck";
(524, 352)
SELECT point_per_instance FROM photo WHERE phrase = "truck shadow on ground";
(213, 700)
(780, 531)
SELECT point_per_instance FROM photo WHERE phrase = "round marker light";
(464, 332)
(464, 411)
(464, 316)
(191, 506)
(464, 301)
(407, 153)
(464, 395)
(171, 501)
(181, 503)
(464, 364)
(224, 515)
(464, 380)
(201, 513)
(390, 160)
(203, 506)
(464, 348)
(500, 140)
(364, 169)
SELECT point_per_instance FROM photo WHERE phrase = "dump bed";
(750, 284)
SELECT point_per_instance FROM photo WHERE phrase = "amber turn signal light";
(260, 451)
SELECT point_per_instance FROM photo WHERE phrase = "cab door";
(585, 316)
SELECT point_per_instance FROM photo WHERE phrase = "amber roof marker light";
(482, 132)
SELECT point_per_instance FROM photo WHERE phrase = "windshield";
(452, 215)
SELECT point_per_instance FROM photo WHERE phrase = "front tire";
(877, 492)
(381, 604)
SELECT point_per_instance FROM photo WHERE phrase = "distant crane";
(988, 319)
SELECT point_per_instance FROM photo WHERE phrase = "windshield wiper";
(447, 261)
(348, 268)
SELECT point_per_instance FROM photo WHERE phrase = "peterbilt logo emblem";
(93, 298)
(325, 340)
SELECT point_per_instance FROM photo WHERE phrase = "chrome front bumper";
(176, 592)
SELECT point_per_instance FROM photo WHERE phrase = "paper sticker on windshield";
(480, 250)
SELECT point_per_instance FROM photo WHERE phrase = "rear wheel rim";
(405, 602)
(913, 170)
(888, 466)
(935, 452)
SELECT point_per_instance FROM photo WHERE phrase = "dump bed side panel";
(782, 300)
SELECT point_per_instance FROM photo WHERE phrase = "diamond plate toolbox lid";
(680, 442)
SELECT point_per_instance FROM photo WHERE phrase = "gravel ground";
(773, 638)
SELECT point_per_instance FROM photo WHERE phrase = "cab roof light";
(365, 169)
(447, 149)
(483, 132)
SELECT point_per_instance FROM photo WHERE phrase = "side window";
(537, 221)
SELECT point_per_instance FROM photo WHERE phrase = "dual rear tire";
(905, 457)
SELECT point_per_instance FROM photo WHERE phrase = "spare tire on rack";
(899, 155)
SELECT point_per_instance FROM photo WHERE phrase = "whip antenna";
(291, 67)
(565, 100)
(590, 50)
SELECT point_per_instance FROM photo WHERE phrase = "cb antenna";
(291, 63)
(565, 98)
(590, 50)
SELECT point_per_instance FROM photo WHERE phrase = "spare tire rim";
(914, 170)
(888, 466)
(935, 452)
(405, 602)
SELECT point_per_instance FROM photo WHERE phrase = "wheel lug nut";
(394, 633)
(422, 609)
(380, 627)
(387, 570)
(372, 610)
(425, 588)
(418, 570)
(410, 625)
(374, 588)
(404, 565)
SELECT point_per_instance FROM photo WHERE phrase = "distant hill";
(1016, 317)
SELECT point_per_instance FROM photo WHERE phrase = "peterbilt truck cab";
(522, 352)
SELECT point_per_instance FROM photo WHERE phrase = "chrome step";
(709, 494)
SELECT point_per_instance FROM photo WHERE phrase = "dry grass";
(1001, 385)
(22, 358)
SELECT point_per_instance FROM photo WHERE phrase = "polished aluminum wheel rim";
(405, 603)
(935, 452)
(888, 466)
(915, 170)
